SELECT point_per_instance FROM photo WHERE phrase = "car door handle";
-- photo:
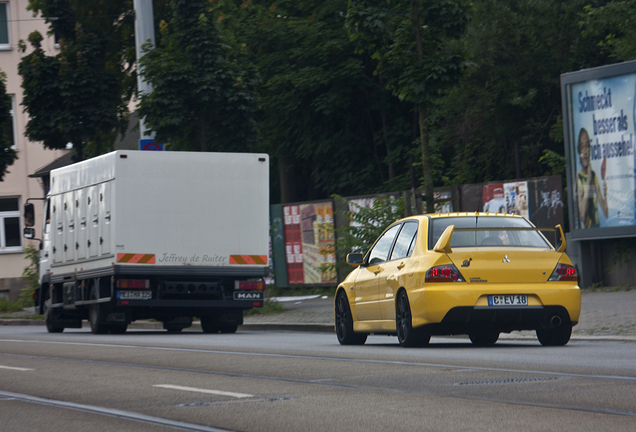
(377, 272)
(401, 266)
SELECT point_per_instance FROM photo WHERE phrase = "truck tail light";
(444, 273)
(564, 272)
(249, 285)
(133, 283)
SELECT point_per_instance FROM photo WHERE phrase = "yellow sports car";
(478, 274)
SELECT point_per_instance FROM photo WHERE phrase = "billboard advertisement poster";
(538, 199)
(602, 115)
(509, 197)
(308, 233)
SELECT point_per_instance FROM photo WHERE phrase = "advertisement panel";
(308, 231)
(538, 200)
(599, 106)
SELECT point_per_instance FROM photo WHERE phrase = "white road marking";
(216, 392)
(15, 368)
(127, 415)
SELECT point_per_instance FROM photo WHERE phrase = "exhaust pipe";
(555, 321)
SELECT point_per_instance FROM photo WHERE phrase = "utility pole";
(144, 32)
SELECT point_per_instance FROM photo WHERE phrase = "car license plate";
(508, 300)
(134, 295)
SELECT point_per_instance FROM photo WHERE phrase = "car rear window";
(498, 236)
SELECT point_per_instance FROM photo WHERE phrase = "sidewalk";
(604, 315)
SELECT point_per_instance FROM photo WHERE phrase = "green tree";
(203, 94)
(613, 25)
(7, 154)
(504, 114)
(329, 125)
(417, 55)
(81, 94)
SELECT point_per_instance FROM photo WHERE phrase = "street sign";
(150, 145)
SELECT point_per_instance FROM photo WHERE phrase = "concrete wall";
(606, 263)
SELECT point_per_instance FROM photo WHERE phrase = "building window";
(4, 26)
(10, 237)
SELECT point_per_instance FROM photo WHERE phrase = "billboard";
(599, 124)
(538, 200)
(308, 234)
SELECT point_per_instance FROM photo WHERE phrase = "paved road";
(291, 381)
(604, 315)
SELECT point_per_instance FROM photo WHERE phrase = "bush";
(30, 275)
(364, 227)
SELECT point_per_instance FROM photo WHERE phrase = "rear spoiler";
(443, 243)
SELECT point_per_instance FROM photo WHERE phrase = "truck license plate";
(508, 300)
(134, 295)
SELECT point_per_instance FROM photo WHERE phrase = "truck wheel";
(118, 329)
(228, 328)
(210, 324)
(51, 327)
(95, 317)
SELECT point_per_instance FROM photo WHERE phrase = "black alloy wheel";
(556, 336)
(344, 323)
(408, 336)
(484, 337)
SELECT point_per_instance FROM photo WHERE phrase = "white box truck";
(168, 236)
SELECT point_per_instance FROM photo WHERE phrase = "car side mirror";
(355, 259)
(29, 233)
(29, 215)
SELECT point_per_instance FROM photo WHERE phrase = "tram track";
(330, 383)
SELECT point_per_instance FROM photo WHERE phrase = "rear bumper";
(466, 304)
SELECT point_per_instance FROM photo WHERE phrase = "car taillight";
(564, 272)
(133, 283)
(249, 285)
(444, 273)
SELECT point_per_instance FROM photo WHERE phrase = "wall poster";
(308, 231)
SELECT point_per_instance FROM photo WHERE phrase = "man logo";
(248, 296)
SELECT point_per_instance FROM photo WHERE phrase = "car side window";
(380, 251)
(405, 241)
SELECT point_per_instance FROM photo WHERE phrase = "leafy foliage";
(203, 94)
(30, 275)
(329, 125)
(416, 52)
(81, 94)
(502, 116)
(614, 25)
(364, 227)
(7, 154)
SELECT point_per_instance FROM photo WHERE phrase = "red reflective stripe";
(136, 258)
(248, 259)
